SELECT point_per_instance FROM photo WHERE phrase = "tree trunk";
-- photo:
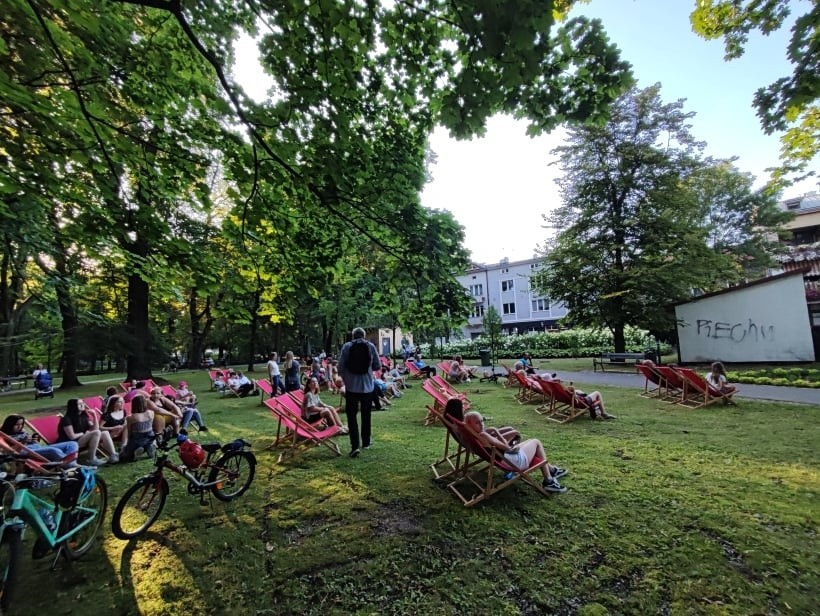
(618, 338)
(138, 362)
(201, 322)
(254, 326)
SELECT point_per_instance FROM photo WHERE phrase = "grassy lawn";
(669, 511)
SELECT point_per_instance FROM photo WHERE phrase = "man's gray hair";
(358, 332)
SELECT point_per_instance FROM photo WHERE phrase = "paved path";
(800, 395)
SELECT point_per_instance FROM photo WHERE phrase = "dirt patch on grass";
(396, 518)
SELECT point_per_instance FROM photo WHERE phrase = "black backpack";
(358, 357)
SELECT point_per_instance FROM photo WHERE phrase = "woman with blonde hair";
(291, 367)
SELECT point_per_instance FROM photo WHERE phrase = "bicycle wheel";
(139, 507)
(93, 508)
(233, 473)
(11, 547)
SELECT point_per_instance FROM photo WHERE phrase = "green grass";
(670, 510)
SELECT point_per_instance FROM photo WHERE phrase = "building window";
(541, 304)
(505, 270)
(476, 290)
(477, 311)
(508, 308)
(507, 285)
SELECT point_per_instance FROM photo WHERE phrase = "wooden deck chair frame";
(673, 384)
(442, 385)
(479, 481)
(296, 434)
(528, 390)
(549, 397)
(456, 459)
(698, 392)
(652, 377)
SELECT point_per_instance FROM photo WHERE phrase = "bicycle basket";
(75, 488)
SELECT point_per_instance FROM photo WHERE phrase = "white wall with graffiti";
(763, 321)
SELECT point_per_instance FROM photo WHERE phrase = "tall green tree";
(631, 236)
(790, 103)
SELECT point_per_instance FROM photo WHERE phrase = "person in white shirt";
(275, 375)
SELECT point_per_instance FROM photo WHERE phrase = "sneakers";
(369, 445)
(355, 453)
(203, 428)
(95, 461)
(139, 452)
(557, 472)
(113, 458)
(552, 485)
(508, 476)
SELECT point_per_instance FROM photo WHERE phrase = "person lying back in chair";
(595, 402)
(520, 456)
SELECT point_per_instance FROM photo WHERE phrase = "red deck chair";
(478, 481)
(698, 392)
(265, 387)
(436, 408)
(565, 405)
(413, 370)
(653, 377)
(46, 427)
(34, 462)
(296, 434)
(673, 381)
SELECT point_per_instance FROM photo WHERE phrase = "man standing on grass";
(357, 361)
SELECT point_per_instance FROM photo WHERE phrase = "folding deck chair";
(46, 427)
(652, 377)
(34, 462)
(698, 392)
(673, 384)
(442, 385)
(478, 481)
(564, 406)
(413, 370)
(264, 385)
(436, 408)
(296, 434)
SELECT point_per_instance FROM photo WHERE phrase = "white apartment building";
(506, 286)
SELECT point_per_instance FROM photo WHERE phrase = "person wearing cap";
(185, 395)
(358, 392)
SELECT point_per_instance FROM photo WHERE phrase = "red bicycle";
(226, 478)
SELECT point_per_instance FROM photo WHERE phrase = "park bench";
(10, 382)
(617, 360)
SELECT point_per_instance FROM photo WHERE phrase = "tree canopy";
(790, 103)
(645, 219)
(127, 135)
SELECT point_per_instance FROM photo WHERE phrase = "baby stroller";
(43, 386)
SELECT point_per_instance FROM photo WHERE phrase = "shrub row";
(558, 344)
(794, 377)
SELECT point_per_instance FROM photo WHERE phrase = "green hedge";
(566, 343)
(793, 377)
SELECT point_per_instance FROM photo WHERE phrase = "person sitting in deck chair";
(14, 425)
(520, 456)
(717, 379)
(595, 402)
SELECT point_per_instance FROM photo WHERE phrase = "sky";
(499, 187)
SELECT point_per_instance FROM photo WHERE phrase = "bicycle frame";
(194, 481)
(25, 510)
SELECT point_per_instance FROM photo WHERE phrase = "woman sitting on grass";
(313, 409)
(141, 435)
(77, 426)
(113, 419)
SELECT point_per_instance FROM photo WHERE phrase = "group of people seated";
(459, 373)
(82, 428)
(236, 382)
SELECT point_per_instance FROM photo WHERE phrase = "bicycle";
(68, 521)
(227, 478)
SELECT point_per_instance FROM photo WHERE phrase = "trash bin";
(485, 357)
